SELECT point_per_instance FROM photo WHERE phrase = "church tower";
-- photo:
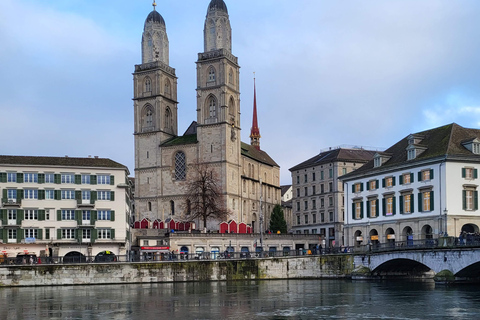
(218, 102)
(255, 131)
(155, 110)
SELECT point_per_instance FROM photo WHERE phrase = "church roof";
(258, 155)
(218, 5)
(155, 17)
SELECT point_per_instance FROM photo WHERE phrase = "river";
(279, 299)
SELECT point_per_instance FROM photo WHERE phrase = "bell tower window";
(212, 107)
(148, 119)
(168, 119)
(211, 74)
(148, 85)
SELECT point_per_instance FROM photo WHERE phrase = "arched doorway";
(390, 236)
(74, 257)
(407, 235)
(358, 238)
(105, 256)
(427, 232)
(374, 239)
(469, 228)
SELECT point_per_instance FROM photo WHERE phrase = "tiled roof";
(445, 141)
(258, 155)
(60, 161)
(340, 154)
(285, 188)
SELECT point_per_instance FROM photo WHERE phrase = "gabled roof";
(334, 155)
(258, 155)
(60, 161)
(285, 188)
(445, 141)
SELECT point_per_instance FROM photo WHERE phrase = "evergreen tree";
(277, 220)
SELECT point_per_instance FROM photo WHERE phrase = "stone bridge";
(458, 264)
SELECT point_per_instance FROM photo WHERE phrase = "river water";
(279, 299)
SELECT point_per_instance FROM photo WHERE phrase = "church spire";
(255, 132)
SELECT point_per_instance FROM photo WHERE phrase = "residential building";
(318, 193)
(73, 207)
(423, 187)
(287, 195)
(164, 161)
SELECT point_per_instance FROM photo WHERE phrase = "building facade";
(423, 187)
(318, 202)
(164, 160)
(53, 206)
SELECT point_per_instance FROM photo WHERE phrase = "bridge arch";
(471, 271)
(401, 266)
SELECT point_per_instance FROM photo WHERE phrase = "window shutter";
(464, 199)
(39, 234)
(58, 195)
(419, 175)
(475, 200)
(353, 188)
(93, 217)
(394, 211)
(41, 215)
(376, 184)
(93, 179)
(464, 172)
(59, 234)
(361, 187)
(112, 215)
(20, 216)
(112, 233)
(78, 235)
(368, 185)
(431, 201)
(1, 236)
(431, 174)
(393, 181)
(78, 195)
(400, 179)
(20, 235)
(353, 210)
(57, 178)
(93, 235)
(411, 178)
(420, 203)
(4, 216)
(41, 194)
(19, 177)
(412, 206)
(41, 178)
(3, 177)
(383, 183)
(361, 210)
(475, 173)
(112, 180)
(384, 208)
(5, 195)
(59, 215)
(78, 179)
(19, 194)
(112, 195)
(93, 195)
(368, 209)
(401, 204)
(78, 216)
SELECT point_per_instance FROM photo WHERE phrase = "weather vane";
(154, 5)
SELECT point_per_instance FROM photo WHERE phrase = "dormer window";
(411, 154)
(377, 162)
(380, 158)
(473, 145)
(414, 150)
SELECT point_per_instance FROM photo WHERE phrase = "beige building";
(73, 207)
(164, 159)
(318, 201)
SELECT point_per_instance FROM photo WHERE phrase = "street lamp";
(445, 212)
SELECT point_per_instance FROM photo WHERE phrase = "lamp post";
(445, 212)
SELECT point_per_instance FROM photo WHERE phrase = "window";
(298, 179)
(211, 74)
(322, 202)
(85, 194)
(377, 162)
(389, 206)
(411, 154)
(180, 166)
(31, 214)
(12, 194)
(322, 188)
(104, 233)
(68, 194)
(314, 231)
(470, 200)
(305, 191)
(86, 215)
(148, 85)
(12, 214)
(85, 179)
(86, 234)
(298, 205)
(330, 201)
(314, 191)
(104, 215)
(167, 87)
(476, 148)
(230, 76)
(30, 194)
(407, 178)
(212, 108)
(68, 214)
(68, 178)
(469, 173)
(11, 177)
(406, 204)
(306, 205)
(314, 204)
(103, 195)
(358, 187)
(314, 218)
(149, 119)
(68, 233)
(49, 194)
(330, 187)
(31, 233)
(313, 176)
(425, 175)
(305, 231)
(372, 206)
(344, 171)
(306, 218)
(49, 178)
(103, 179)
(330, 173)
(298, 220)
(30, 177)
(331, 216)
(373, 185)
(305, 178)
(12, 235)
(389, 182)
(322, 175)
(425, 201)
(357, 210)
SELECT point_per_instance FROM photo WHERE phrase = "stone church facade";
(164, 159)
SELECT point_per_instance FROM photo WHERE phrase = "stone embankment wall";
(332, 266)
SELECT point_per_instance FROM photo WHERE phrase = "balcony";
(85, 203)
(14, 203)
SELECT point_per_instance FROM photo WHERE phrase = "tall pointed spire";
(255, 132)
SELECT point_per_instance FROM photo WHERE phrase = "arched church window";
(211, 74)
(230, 76)
(148, 119)
(172, 207)
(212, 107)
(167, 87)
(180, 166)
(231, 106)
(168, 119)
(148, 85)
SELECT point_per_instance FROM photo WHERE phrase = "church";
(164, 160)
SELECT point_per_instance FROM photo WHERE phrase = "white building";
(54, 206)
(423, 187)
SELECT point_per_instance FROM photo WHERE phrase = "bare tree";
(204, 198)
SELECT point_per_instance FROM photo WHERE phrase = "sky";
(328, 73)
